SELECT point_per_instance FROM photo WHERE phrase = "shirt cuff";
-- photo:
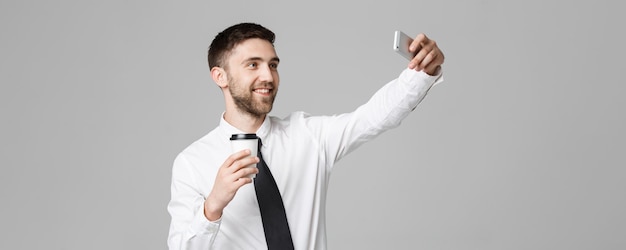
(418, 80)
(409, 74)
(202, 225)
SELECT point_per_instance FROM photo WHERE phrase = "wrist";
(211, 212)
(433, 72)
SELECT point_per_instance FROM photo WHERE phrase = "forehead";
(252, 48)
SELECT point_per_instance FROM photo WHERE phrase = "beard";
(245, 100)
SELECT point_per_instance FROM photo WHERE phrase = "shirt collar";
(229, 129)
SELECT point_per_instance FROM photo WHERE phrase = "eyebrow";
(274, 59)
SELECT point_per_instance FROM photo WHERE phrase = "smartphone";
(401, 44)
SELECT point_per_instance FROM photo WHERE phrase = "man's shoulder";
(202, 144)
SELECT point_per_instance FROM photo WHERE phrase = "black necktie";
(273, 215)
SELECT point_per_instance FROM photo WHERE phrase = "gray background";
(522, 147)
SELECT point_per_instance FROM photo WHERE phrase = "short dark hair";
(225, 41)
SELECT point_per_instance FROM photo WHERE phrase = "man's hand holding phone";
(423, 52)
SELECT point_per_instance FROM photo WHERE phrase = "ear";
(219, 77)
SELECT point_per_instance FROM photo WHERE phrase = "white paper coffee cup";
(240, 142)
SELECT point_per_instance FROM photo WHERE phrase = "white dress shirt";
(300, 151)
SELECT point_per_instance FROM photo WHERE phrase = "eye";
(274, 65)
(252, 65)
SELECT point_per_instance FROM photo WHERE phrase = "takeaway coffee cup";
(240, 142)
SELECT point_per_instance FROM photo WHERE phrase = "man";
(214, 205)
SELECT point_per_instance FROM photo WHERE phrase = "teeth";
(263, 91)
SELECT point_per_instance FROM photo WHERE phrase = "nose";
(266, 74)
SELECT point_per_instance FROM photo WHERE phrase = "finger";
(239, 169)
(246, 171)
(418, 42)
(436, 62)
(242, 181)
(426, 48)
(242, 176)
(251, 170)
(242, 163)
(429, 58)
(419, 57)
(236, 156)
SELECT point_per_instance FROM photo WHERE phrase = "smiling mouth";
(262, 91)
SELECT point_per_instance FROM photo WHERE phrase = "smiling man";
(214, 205)
(249, 79)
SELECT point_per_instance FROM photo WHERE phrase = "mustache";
(267, 85)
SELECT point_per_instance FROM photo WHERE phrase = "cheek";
(242, 81)
(276, 77)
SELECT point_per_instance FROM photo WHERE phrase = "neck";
(243, 121)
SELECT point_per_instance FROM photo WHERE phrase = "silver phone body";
(401, 44)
